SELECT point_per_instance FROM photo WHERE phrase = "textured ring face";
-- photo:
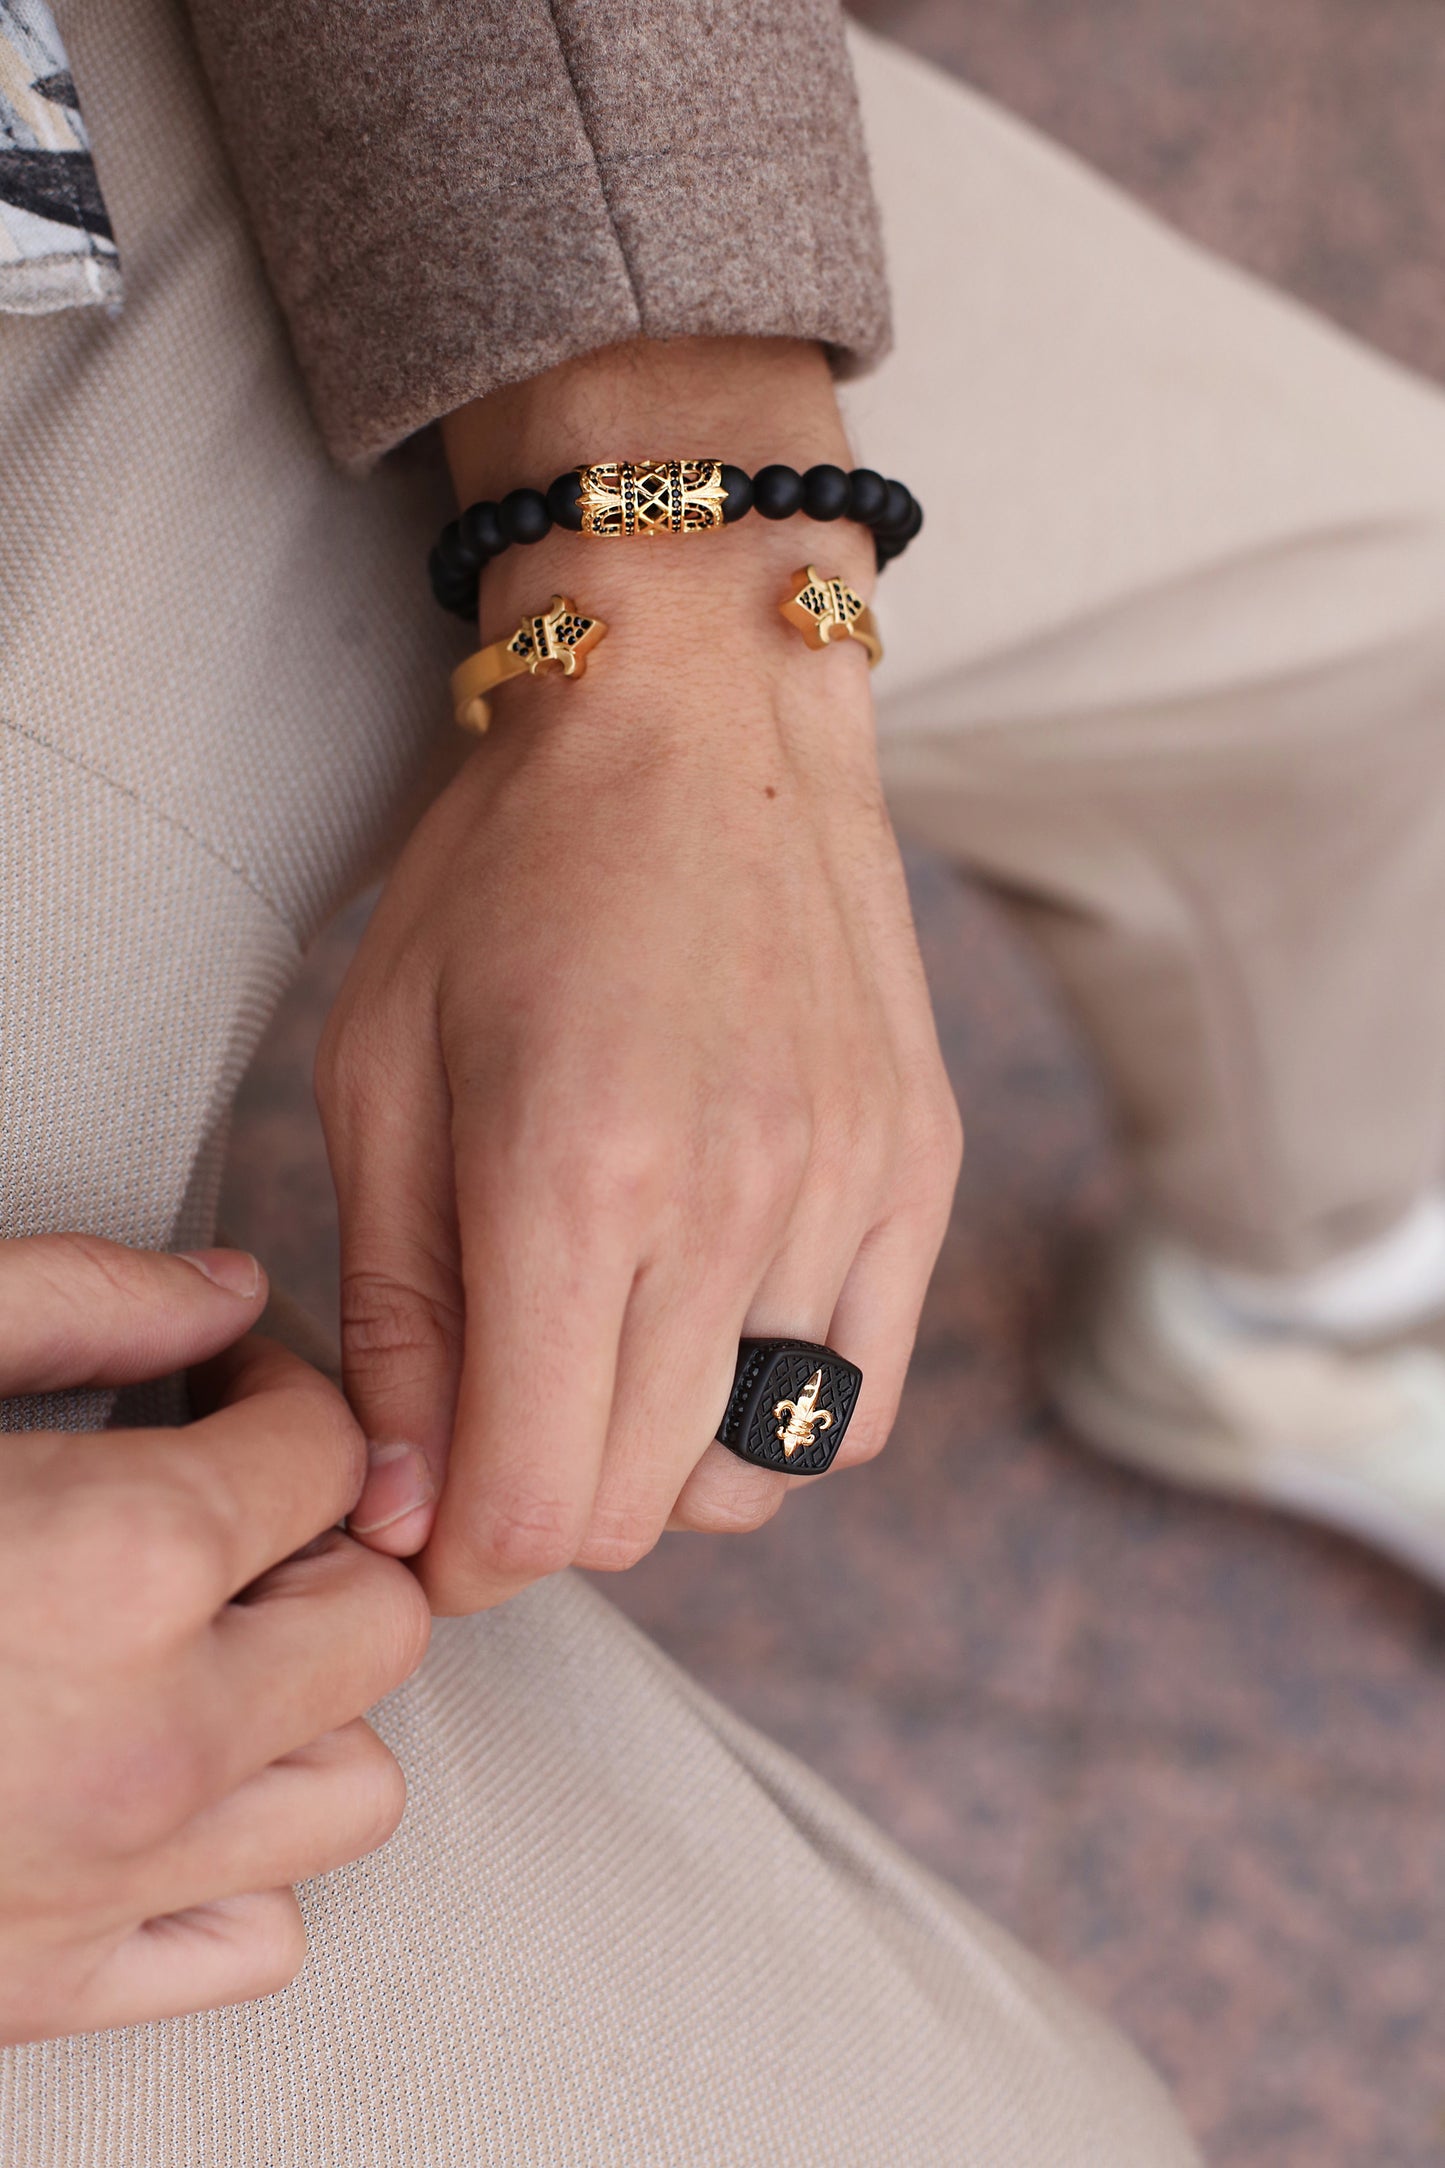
(790, 1406)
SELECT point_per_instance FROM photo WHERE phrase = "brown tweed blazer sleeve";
(452, 195)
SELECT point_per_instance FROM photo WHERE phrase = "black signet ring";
(790, 1405)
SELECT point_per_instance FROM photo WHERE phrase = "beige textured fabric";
(190, 643)
(617, 1929)
(458, 196)
(1168, 668)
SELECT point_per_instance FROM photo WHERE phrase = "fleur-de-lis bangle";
(557, 638)
(825, 609)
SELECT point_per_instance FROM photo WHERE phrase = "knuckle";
(864, 1443)
(769, 1154)
(854, 1141)
(144, 1787)
(527, 1538)
(939, 1131)
(384, 1319)
(342, 1063)
(144, 1556)
(618, 1541)
(871, 1429)
(80, 1278)
(71, 1260)
(363, 1059)
(377, 1795)
(408, 1622)
(786, 1135)
(329, 1426)
(760, 1154)
(736, 1515)
(327, 1069)
(273, 1951)
(621, 1177)
(932, 1155)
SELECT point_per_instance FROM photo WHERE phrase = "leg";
(616, 1926)
(1168, 666)
(1169, 672)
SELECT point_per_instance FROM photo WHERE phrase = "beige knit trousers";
(1168, 669)
(1164, 667)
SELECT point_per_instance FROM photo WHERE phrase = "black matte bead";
(886, 551)
(450, 548)
(445, 576)
(451, 583)
(737, 494)
(480, 528)
(777, 492)
(897, 511)
(825, 493)
(455, 591)
(525, 517)
(564, 501)
(912, 526)
(867, 495)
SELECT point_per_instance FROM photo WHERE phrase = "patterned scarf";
(56, 247)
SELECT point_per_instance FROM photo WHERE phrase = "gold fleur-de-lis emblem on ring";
(802, 1415)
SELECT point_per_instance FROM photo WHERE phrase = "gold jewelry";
(825, 609)
(559, 638)
(652, 496)
(802, 1414)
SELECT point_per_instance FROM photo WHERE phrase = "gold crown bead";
(623, 497)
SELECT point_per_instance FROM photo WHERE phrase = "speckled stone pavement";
(1193, 1755)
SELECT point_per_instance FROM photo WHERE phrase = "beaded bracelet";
(618, 498)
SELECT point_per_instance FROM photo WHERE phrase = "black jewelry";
(790, 1405)
(664, 496)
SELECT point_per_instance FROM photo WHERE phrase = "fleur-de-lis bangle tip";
(560, 638)
(819, 605)
(824, 608)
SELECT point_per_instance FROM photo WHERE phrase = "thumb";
(75, 1310)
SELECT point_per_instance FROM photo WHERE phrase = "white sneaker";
(1152, 1371)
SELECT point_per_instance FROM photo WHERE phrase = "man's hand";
(180, 1696)
(636, 1057)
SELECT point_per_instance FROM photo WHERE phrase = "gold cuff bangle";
(558, 638)
(825, 609)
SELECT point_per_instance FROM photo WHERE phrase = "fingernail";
(235, 1270)
(398, 1482)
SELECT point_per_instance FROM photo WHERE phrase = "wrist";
(747, 401)
(695, 640)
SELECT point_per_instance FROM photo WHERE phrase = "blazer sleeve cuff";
(457, 197)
